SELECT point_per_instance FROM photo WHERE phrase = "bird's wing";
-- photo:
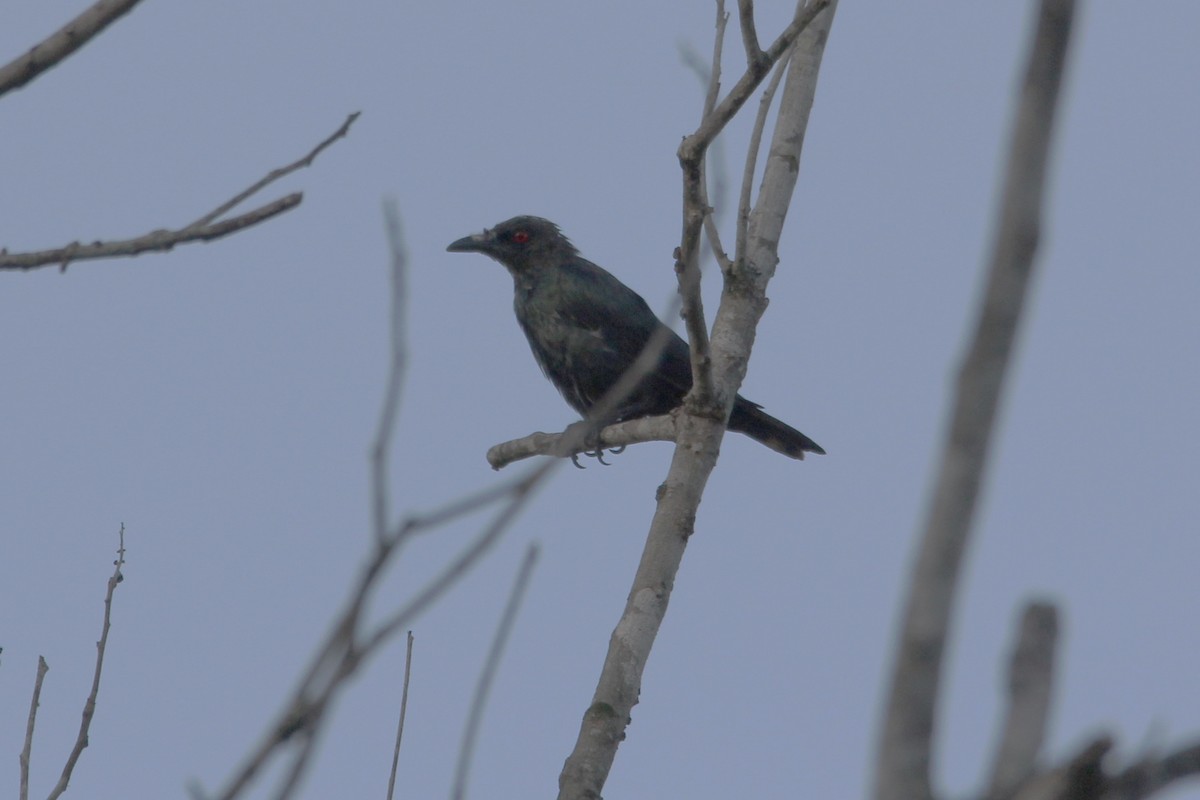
(602, 304)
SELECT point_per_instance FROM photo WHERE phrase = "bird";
(586, 328)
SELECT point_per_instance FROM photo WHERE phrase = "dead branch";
(204, 229)
(403, 712)
(89, 705)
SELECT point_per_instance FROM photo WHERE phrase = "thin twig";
(1030, 688)
(42, 669)
(397, 367)
(279, 172)
(756, 133)
(403, 712)
(62, 43)
(906, 745)
(715, 161)
(202, 230)
(458, 567)
(687, 260)
(462, 506)
(348, 646)
(714, 70)
(490, 665)
(712, 233)
(89, 706)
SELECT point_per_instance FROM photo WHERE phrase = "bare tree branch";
(692, 301)
(744, 88)
(202, 230)
(905, 752)
(760, 123)
(749, 34)
(490, 665)
(521, 494)
(698, 439)
(605, 720)
(1030, 688)
(634, 431)
(89, 706)
(403, 712)
(743, 299)
(62, 43)
(156, 241)
(397, 367)
(277, 173)
(691, 159)
(704, 72)
(26, 750)
(347, 648)
(687, 258)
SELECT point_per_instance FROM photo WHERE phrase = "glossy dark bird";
(586, 328)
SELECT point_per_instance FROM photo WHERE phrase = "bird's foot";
(589, 442)
(598, 454)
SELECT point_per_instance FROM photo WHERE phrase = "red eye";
(520, 237)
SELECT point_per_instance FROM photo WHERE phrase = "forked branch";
(206, 228)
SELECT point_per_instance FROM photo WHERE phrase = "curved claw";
(597, 454)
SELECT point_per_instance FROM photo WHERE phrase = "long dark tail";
(751, 420)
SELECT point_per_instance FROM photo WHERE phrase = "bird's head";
(521, 243)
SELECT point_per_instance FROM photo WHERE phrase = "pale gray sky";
(219, 400)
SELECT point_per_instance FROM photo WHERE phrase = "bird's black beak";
(475, 243)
